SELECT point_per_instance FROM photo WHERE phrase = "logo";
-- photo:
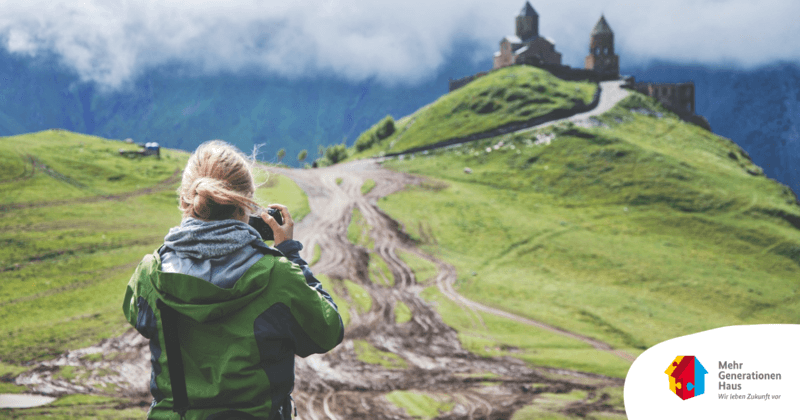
(687, 377)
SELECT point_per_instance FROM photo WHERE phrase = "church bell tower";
(601, 56)
(527, 23)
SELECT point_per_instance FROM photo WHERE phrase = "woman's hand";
(280, 232)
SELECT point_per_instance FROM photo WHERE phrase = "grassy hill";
(638, 230)
(511, 94)
(75, 219)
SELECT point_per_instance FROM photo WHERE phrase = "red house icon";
(686, 377)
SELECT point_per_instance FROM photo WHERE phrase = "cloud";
(112, 42)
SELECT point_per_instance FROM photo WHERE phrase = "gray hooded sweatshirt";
(219, 251)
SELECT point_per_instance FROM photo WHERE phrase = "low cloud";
(112, 42)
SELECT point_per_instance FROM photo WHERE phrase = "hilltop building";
(602, 63)
(526, 46)
(601, 56)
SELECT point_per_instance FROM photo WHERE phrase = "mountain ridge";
(755, 108)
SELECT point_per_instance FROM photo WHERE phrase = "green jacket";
(237, 344)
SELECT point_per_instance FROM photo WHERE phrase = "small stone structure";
(677, 97)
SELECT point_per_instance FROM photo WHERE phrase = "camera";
(262, 227)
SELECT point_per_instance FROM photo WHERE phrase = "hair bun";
(217, 183)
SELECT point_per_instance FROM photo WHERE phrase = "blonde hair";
(217, 183)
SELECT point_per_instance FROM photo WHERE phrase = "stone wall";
(677, 97)
(457, 83)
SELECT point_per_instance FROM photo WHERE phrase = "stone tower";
(601, 56)
(527, 23)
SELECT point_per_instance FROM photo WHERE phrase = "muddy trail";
(338, 385)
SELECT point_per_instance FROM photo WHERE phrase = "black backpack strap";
(169, 321)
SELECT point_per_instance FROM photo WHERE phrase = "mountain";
(181, 110)
(759, 109)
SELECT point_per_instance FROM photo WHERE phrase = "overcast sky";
(112, 41)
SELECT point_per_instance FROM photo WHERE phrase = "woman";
(224, 312)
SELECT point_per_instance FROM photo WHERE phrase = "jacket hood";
(203, 301)
(200, 239)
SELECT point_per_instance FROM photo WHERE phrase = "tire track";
(386, 240)
(425, 342)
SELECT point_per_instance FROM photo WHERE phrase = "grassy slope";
(78, 407)
(65, 266)
(511, 94)
(635, 233)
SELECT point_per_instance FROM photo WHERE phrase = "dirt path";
(386, 235)
(337, 385)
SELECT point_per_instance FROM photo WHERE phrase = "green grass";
(96, 357)
(547, 406)
(358, 231)
(421, 405)
(424, 270)
(9, 388)
(633, 234)
(367, 186)
(65, 261)
(58, 154)
(493, 336)
(379, 272)
(78, 407)
(367, 353)
(11, 371)
(66, 264)
(511, 94)
(358, 296)
(401, 313)
(282, 190)
(551, 406)
(339, 181)
(317, 254)
(66, 373)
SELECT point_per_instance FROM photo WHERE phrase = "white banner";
(753, 372)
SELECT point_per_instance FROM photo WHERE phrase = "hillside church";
(528, 47)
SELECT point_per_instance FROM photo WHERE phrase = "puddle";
(23, 400)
